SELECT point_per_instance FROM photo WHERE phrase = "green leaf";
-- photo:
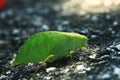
(44, 44)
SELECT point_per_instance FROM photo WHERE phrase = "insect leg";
(71, 52)
(85, 49)
(50, 56)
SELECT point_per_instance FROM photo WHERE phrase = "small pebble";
(2, 42)
(94, 18)
(93, 36)
(79, 67)
(2, 77)
(117, 71)
(15, 31)
(25, 79)
(30, 64)
(45, 27)
(50, 69)
(108, 16)
(93, 56)
(115, 23)
(118, 52)
(104, 76)
(8, 72)
(65, 70)
(118, 46)
(29, 10)
(37, 21)
(65, 22)
(3, 15)
(47, 78)
(59, 28)
(84, 31)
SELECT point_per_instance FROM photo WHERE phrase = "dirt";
(22, 18)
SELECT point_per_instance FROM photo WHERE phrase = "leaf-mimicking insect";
(49, 46)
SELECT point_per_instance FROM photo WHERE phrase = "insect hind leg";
(47, 59)
(71, 53)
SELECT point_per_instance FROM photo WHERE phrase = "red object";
(2, 3)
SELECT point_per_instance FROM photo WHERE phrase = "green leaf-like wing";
(41, 45)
